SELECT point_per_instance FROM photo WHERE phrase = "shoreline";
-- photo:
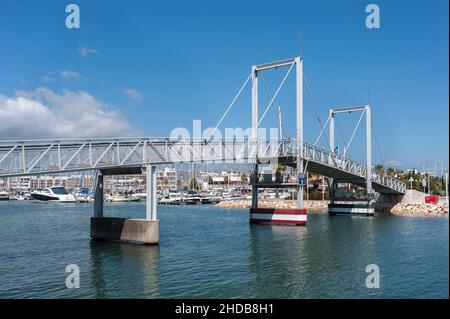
(320, 207)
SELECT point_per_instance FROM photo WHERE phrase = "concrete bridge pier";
(144, 231)
(267, 215)
(254, 182)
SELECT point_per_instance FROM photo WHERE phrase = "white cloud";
(133, 94)
(64, 74)
(71, 75)
(48, 77)
(394, 163)
(43, 113)
(86, 51)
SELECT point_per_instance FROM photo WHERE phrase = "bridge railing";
(54, 156)
(389, 181)
(44, 156)
(326, 157)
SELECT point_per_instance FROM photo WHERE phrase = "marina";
(161, 150)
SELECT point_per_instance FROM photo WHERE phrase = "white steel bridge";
(33, 157)
(127, 155)
(30, 157)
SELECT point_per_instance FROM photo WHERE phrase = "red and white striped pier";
(278, 216)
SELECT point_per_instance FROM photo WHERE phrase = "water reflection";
(138, 274)
(302, 262)
(277, 257)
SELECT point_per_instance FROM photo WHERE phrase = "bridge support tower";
(346, 207)
(295, 216)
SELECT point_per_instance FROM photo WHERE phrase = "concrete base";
(278, 216)
(125, 229)
(351, 209)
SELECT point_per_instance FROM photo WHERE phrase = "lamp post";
(323, 188)
(411, 180)
(441, 170)
(446, 186)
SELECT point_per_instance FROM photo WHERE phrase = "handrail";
(162, 148)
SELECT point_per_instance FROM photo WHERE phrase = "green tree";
(379, 168)
(390, 171)
(193, 184)
(226, 179)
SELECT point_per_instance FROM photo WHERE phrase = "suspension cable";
(353, 134)
(321, 131)
(276, 94)
(318, 118)
(273, 106)
(377, 144)
(230, 106)
(315, 106)
(341, 132)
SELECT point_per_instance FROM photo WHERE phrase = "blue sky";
(146, 67)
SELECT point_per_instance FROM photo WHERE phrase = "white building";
(166, 179)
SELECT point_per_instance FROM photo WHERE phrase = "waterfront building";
(166, 179)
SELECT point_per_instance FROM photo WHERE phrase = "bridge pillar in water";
(285, 216)
(136, 230)
(151, 207)
(98, 196)
(342, 206)
(254, 180)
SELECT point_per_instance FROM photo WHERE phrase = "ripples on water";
(207, 252)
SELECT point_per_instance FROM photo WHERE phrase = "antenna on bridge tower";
(300, 41)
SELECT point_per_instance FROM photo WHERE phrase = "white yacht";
(139, 193)
(4, 195)
(55, 193)
(172, 199)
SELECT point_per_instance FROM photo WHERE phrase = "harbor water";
(209, 252)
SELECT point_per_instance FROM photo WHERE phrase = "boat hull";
(48, 198)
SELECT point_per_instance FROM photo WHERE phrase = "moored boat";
(54, 194)
(4, 195)
(172, 199)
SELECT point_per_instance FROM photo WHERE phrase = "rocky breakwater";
(401, 209)
(312, 206)
(420, 209)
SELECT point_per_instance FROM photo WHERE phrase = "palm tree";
(226, 179)
(379, 168)
(193, 184)
(390, 171)
(244, 178)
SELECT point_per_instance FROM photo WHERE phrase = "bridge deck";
(22, 158)
(341, 175)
